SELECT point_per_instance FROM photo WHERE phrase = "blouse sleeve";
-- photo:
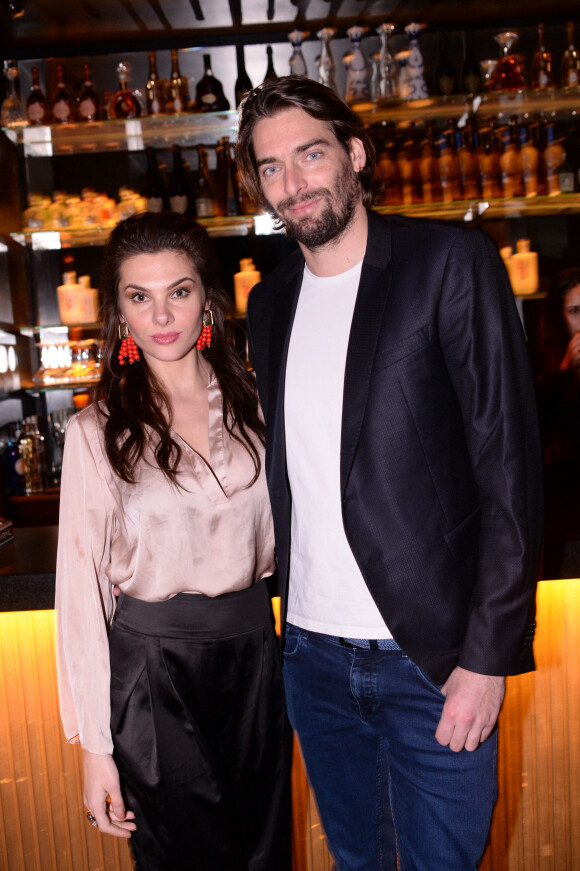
(84, 600)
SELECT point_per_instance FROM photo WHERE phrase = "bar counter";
(42, 817)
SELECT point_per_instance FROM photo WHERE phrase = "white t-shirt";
(327, 592)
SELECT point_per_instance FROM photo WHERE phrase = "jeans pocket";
(424, 679)
(292, 640)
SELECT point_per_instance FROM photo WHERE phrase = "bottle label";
(204, 206)
(178, 204)
(61, 110)
(36, 112)
(87, 108)
(210, 99)
(155, 204)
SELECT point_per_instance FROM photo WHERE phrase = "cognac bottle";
(209, 92)
(63, 108)
(124, 104)
(542, 64)
(89, 105)
(37, 107)
(570, 61)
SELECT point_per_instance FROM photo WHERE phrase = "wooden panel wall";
(535, 827)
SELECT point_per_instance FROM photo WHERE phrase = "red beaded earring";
(206, 336)
(128, 347)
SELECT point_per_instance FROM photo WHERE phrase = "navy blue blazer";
(440, 462)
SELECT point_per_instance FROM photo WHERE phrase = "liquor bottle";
(326, 66)
(124, 104)
(449, 170)
(554, 156)
(570, 61)
(154, 89)
(180, 195)
(243, 83)
(37, 107)
(89, 105)
(530, 157)
(270, 71)
(31, 449)
(63, 107)
(542, 64)
(510, 161)
(178, 92)
(297, 63)
(227, 195)
(410, 171)
(388, 173)
(430, 178)
(359, 71)
(445, 75)
(489, 166)
(154, 189)
(469, 164)
(209, 92)
(470, 71)
(206, 205)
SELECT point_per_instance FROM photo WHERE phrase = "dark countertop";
(27, 569)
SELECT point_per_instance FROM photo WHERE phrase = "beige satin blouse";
(151, 538)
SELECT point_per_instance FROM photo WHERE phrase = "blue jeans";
(366, 722)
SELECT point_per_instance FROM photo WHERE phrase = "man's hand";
(471, 708)
(102, 795)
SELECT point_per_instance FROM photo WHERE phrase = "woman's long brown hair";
(130, 398)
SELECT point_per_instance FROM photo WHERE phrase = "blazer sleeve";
(84, 600)
(488, 361)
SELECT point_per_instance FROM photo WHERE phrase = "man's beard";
(314, 232)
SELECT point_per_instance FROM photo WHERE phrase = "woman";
(174, 694)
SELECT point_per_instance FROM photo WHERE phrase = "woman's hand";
(572, 356)
(102, 796)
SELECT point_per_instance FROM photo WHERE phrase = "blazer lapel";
(366, 326)
(282, 320)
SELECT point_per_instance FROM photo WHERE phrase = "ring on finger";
(92, 819)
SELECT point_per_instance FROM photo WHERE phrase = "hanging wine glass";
(508, 72)
(387, 65)
(326, 68)
(415, 65)
(358, 74)
(297, 62)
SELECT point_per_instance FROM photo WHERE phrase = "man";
(404, 470)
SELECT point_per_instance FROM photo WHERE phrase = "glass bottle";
(449, 170)
(177, 90)
(489, 167)
(154, 88)
(430, 177)
(326, 67)
(410, 170)
(124, 104)
(227, 195)
(63, 108)
(37, 107)
(415, 64)
(553, 157)
(469, 164)
(507, 75)
(387, 75)
(204, 193)
(297, 62)
(570, 61)
(388, 173)
(209, 92)
(270, 71)
(470, 71)
(530, 157)
(542, 64)
(180, 195)
(32, 453)
(358, 74)
(12, 114)
(243, 83)
(89, 105)
(510, 161)
(154, 189)
(445, 74)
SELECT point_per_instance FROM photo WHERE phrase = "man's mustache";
(305, 198)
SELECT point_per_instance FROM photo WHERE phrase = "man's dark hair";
(316, 100)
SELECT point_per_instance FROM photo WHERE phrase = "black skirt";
(200, 733)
